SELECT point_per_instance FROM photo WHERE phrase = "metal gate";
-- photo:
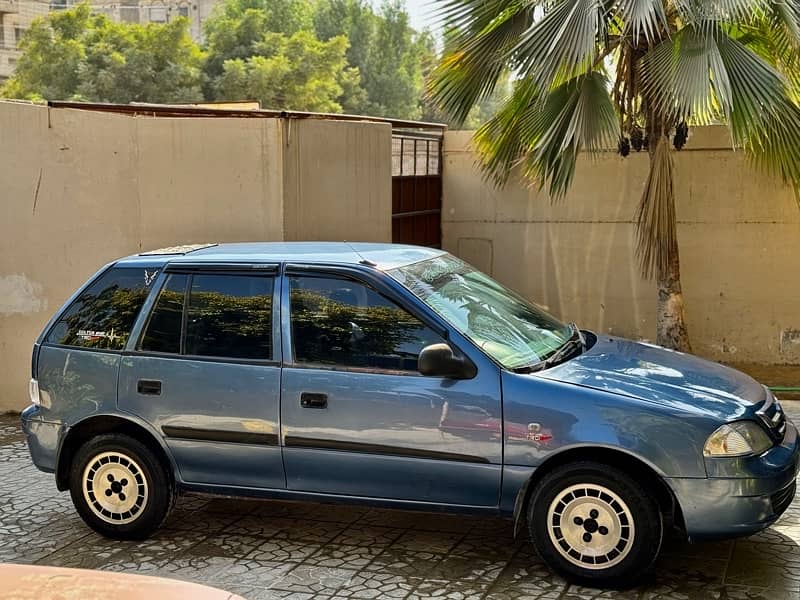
(417, 188)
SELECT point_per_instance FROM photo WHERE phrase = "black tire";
(138, 471)
(569, 491)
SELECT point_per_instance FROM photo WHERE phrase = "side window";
(340, 322)
(226, 316)
(230, 316)
(103, 315)
(164, 329)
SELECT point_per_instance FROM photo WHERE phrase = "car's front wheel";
(119, 487)
(595, 524)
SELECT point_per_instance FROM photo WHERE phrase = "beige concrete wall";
(338, 180)
(209, 179)
(739, 234)
(79, 189)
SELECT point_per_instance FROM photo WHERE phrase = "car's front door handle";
(309, 400)
(149, 387)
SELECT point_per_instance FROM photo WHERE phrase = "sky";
(420, 13)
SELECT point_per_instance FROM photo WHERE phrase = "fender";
(123, 417)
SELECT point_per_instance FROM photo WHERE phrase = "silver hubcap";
(115, 488)
(590, 526)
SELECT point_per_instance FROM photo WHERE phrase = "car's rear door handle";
(309, 400)
(150, 387)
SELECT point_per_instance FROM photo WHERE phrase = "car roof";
(382, 256)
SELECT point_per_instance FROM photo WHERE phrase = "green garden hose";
(790, 390)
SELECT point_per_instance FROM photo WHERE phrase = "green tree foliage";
(277, 16)
(266, 50)
(237, 26)
(74, 54)
(389, 54)
(394, 82)
(296, 72)
(317, 55)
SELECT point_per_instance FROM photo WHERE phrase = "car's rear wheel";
(595, 525)
(119, 487)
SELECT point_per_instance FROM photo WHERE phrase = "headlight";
(738, 439)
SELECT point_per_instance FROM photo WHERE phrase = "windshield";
(507, 327)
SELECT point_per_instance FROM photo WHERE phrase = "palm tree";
(594, 74)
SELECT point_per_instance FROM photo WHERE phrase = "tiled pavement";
(290, 550)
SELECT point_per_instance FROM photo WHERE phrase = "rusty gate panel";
(417, 189)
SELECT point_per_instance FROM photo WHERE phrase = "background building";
(16, 17)
(156, 11)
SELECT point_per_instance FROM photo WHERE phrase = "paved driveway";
(290, 550)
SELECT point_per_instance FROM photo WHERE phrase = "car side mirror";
(439, 360)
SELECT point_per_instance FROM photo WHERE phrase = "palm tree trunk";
(658, 240)
(671, 331)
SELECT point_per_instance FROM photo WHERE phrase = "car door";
(205, 372)
(358, 419)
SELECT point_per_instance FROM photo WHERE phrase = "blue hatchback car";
(397, 376)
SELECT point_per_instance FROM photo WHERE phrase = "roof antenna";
(363, 260)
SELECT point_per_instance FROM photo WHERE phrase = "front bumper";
(727, 507)
(43, 439)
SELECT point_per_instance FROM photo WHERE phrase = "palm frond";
(684, 77)
(703, 73)
(774, 43)
(730, 11)
(546, 134)
(476, 55)
(763, 117)
(563, 43)
(463, 19)
(639, 17)
(787, 14)
(498, 140)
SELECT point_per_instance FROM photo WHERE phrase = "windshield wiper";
(564, 352)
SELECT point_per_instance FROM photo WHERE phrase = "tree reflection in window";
(164, 328)
(340, 322)
(103, 315)
(513, 331)
(230, 316)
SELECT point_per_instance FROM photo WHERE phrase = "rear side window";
(103, 315)
(164, 329)
(229, 315)
(214, 315)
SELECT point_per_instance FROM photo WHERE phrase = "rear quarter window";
(103, 315)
